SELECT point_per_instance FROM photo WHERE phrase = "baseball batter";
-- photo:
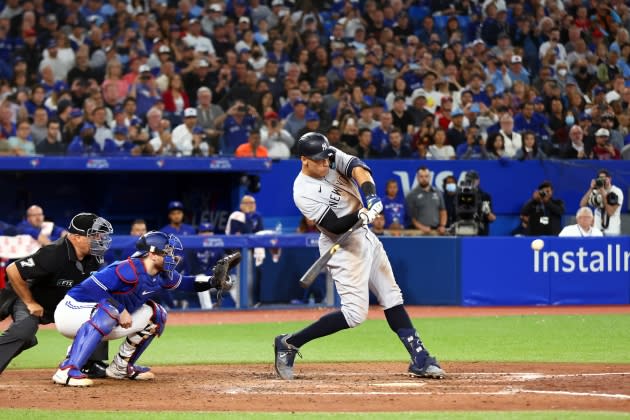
(327, 192)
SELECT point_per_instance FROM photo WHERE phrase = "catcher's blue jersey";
(128, 284)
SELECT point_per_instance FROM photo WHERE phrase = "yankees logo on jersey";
(335, 191)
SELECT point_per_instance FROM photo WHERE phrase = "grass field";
(560, 338)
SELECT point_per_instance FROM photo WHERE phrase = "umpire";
(37, 283)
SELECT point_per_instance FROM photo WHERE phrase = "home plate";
(401, 384)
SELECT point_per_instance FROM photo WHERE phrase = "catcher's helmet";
(162, 244)
(315, 146)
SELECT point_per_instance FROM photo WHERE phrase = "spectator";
(607, 200)
(182, 136)
(529, 150)
(456, 134)
(198, 78)
(252, 148)
(474, 147)
(396, 149)
(121, 144)
(380, 135)
(102, 131)
(583, 227)
(175, 99)
(512, 140)
(209, 116)
(449, 193)
(603, 148)
(114, 79)
(543, 213)
(526, 120)
(425, 206)
(21, 144)
(39, 128)
(296, 120)
(575, 149)
(162, 143)
(42, 231)
(496, 146)
(366, 118)
(393, 207)
(364, 146)
(275, 138)
(51, 146)
(439, 150)
(401, 118)
(378, 225)
(241, 120)
(145, 91)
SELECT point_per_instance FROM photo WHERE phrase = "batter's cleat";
(95, 369)
(70, 376)
(285, 356)
(135, 372)
(428, 369)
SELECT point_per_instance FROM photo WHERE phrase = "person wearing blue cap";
(176, 224)
(121, 144)
(84, 144)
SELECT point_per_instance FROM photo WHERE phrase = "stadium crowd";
(464, 79)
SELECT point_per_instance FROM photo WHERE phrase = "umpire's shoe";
(70, 376)
(426, 368)
(285, 356)
(95, 369)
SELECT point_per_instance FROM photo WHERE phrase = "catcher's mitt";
(220, 280)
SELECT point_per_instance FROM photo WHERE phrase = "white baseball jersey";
(361, 264)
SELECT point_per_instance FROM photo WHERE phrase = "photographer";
(606, 199)
(543, 213)
(275, 138)
(475, 146)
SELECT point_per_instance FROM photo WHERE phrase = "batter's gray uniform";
(361, 263)
(327, 193)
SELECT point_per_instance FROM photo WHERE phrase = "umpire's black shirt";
(52, 271)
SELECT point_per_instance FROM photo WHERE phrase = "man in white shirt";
(512, 141)
(583, 227)
(182, 136)
(195, 38)
(607, 200)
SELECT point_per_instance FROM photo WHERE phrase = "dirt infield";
(346, 387)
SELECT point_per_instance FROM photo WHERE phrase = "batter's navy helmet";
(315, 146)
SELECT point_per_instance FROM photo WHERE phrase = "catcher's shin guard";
(102, 322)
(124, 364)
(422, 363)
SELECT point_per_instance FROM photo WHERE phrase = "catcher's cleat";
(428, 369)
(285, 356)
(71, 377)
(135, 372)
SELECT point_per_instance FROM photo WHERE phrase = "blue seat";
(464, 21)
(417, 13)
(440, 22)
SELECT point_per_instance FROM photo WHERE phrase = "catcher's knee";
(355, 314)
(159, 317)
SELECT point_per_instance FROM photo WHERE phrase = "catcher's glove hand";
(220, 279)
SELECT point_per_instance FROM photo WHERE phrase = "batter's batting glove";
(368, 216)
(374, 202)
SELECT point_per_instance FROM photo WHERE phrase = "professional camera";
(596, 199)
(600, 182)
(467, 201)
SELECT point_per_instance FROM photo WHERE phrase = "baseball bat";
(311, 274)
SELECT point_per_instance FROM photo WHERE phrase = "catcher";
(116, 302)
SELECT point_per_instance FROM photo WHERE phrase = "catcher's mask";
(168, 246)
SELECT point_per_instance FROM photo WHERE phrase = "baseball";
(538, 244)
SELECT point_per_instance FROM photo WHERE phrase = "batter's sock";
(326, 325)
(399, 321)
(398, 318)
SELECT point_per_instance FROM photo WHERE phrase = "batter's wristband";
(368, 188)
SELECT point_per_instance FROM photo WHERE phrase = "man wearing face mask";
(84, 144)
(449, 191)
